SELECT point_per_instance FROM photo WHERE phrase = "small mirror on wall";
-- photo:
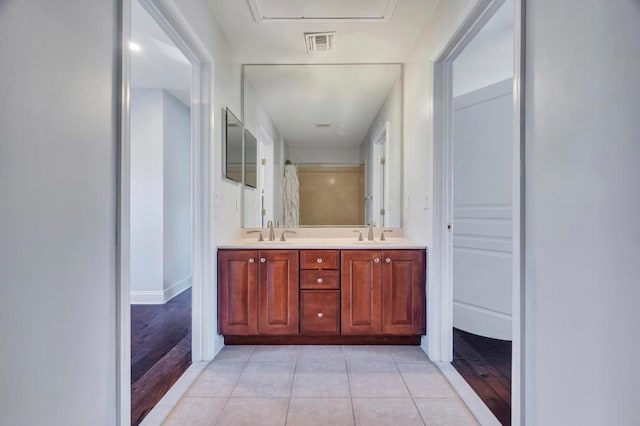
(232, 147)
(251, 159)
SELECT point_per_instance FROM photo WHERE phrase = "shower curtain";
(291, 197)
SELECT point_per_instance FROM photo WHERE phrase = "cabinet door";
(361, 293)
(278, 292)
(238, 292)
(403, 297)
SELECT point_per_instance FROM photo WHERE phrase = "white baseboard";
(160, 297)
(481, 321)
(473, 402)
(218, 344)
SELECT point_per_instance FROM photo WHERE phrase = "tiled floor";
(321, 385)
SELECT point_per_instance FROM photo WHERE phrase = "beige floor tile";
(218, 379)
(313, 353)
(320, 412)
(196, 412)
(367, 353)
(321, 379)
(408, 354)
(265, 379)
(386, 412)
(424, 380)
(376, 379)
(274, 353)
(234, 353)
(445, 412)
(254, 412)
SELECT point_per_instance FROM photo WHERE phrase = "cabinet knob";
(320, 280)
(376, 260)
(387, 260)
(262, 260)
(252, 260)
(319, 260)
(320, 314)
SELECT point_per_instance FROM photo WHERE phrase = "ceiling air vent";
(320, 42)
(323, 124)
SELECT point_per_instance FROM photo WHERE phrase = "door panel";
(238, 292)
(361, 292)
(278, 292)
(402, 292)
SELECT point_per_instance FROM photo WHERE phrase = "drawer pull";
(387, 260)
(262, 260)
(320, 314)
(319, 260)
(376, 260)
(252, 260)
(320, 280)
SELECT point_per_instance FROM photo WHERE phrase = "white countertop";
(322, 243)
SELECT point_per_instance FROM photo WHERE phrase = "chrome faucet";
(272, 234)
(260, 238)
(372, 225)
(286, 231)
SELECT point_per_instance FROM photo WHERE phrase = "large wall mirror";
(328, 144)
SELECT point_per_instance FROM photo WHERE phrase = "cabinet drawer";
(319, 312)
(319, 259)
(320, 279)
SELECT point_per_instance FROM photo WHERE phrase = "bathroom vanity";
(310, 291)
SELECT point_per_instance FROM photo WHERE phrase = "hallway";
(160, 351)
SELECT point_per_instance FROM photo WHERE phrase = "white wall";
(225, 199)
(177, 195)
(322, 155)
(391, 112)
(146, 192)
(57, 214)
(418, 126)
(160, 196)
(582, 210)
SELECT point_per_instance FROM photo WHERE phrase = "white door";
(482, 210)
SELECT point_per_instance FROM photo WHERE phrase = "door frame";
(440, 300)
(171, 20)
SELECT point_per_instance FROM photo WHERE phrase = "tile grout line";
(246, 362)
(346, 366)
(395, 361)
(293, 380)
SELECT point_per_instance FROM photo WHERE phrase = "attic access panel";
(322, 10)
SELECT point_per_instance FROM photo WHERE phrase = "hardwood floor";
(160, 351)
(486, 365)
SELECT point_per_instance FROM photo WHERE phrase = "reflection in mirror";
(232, 167)
(328, 144)
(250, 158)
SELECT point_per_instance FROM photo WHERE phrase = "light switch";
(217, 200)
(238, 203)
(425, 201)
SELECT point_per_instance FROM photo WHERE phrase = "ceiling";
(159, 63)
(363, 34)
(296, 97)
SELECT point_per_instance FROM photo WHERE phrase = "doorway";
(476, 257)
(178, 191)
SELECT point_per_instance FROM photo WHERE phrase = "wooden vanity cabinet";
(278, 292)
(321, 296)
(238, 292)
(361, 292)
(258, 292)
(383, 292)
